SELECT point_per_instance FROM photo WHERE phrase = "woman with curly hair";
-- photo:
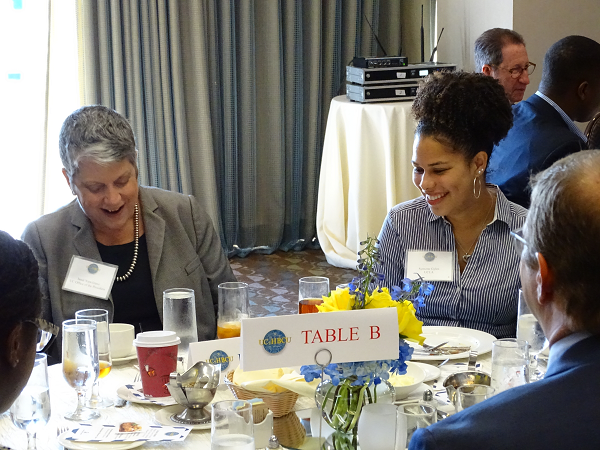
(459, 229)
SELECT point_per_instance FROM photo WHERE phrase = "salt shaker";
(428, 399)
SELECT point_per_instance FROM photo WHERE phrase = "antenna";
(376, 38)
(436, 46)
(422, 37)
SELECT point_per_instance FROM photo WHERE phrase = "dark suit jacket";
(539, 137)
(559, 412)
(184, 251)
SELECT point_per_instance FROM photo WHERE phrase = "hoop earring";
(476, 193)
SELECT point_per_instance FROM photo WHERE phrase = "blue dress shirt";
(485, 295)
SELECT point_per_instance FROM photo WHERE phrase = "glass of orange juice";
(233, 307)
(310, 293)
(104, 354)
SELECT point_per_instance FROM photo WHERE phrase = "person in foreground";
(500, 53)
(20, 306)
(158, 239)
(544, 130)
(559, 272)
(461, 223)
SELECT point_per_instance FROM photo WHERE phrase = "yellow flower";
(339, 300)
(408, 325)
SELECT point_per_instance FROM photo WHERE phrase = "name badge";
(90, 277)
(431, 266)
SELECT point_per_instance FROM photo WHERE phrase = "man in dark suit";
(560, 256)
(544, 130)
(500, 53)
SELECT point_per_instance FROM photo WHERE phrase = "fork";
(137, 378)
(60, 429)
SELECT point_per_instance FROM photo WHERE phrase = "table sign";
(431, 266)
(90, 277)
(220, 351)
(284, 341)
(126, 432)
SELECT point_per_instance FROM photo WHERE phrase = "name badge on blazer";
(431, 266)
(89, 277)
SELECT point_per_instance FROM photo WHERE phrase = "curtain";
(229, 99)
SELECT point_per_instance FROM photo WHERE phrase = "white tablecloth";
(63, 400)
(365, 170)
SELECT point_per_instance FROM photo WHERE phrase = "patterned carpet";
(273, 279)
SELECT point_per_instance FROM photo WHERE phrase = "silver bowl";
(455, 380)
(194, 389)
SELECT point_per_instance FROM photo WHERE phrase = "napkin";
(275, 381)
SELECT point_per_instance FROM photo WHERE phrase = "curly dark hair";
(466, 111)
(20, 297)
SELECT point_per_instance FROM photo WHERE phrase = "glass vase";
(341, 405)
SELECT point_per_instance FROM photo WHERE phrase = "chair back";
(592, 132)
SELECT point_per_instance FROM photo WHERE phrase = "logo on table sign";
(274, 341)
(93, 268)
(429, 256)
(220, 357)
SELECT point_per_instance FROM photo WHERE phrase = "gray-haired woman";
(158, 239)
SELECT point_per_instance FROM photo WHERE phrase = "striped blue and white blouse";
(485, 295)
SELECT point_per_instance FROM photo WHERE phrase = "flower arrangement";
(350, 381)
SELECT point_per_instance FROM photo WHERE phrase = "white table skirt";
(365, 170)
(63, 400)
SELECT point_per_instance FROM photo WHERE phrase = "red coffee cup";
(157, 355)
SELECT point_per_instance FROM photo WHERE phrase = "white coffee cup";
(121, 340)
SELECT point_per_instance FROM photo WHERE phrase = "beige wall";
(543, 22)
(463, 21)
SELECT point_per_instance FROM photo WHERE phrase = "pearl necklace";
(136, 223)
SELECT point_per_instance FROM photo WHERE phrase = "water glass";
(377, 426)
(104, 353)
(530, 330)
(510, 364)
(179, 315)
(233, 307)
(31, 410)
(471, 394)
(232, 425)
(80, 362)
(410, 418)
(310, 293)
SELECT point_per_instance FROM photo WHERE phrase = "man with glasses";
(560, 256)
(500, 53)
(20, 309)
(543, 129)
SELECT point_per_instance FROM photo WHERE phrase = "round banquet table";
(365, 170)
(63, 400)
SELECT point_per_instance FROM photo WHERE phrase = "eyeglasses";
(516, 72)
(519, 241)
(46, 332)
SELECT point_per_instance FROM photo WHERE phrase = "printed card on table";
(126, 432)
(284, 341)
(220, 351)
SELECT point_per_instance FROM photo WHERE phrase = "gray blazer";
(183, 249)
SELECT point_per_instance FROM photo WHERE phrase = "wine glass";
(104, 353)
(31, 410)
(80, 362)
(529, 329)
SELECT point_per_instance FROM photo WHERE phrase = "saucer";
(124, 359)
(81, 445)
(133, 393)
(163, 417)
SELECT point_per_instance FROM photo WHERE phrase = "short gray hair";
(488, 46)
(97, 133)
(563, 224)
